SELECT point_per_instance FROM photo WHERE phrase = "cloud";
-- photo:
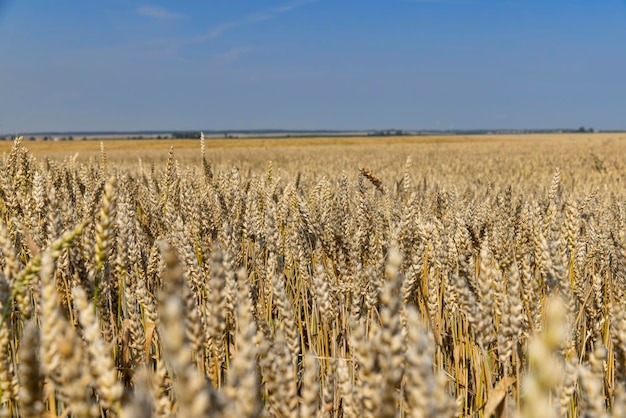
(292, 5)
(157, 12)
(230, 56)
(220, 29)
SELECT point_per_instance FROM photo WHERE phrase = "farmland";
(339, 277)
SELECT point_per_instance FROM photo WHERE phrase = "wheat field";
(411, 278)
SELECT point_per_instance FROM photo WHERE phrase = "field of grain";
(417, 277)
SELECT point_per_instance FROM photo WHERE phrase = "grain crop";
(407, 279)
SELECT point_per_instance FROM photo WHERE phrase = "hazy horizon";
(278, 131)
(121, 65)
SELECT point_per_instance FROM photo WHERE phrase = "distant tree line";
(189, 134)
(389, 132)
(164, 136)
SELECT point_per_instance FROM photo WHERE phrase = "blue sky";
(316, 64)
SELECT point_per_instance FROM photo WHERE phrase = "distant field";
(126, 151)
(447, 160)
(49, 147)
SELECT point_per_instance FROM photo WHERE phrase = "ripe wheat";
(201, 289)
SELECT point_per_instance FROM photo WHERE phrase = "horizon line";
(287, 131)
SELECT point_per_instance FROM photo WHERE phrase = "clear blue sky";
(324, 64)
